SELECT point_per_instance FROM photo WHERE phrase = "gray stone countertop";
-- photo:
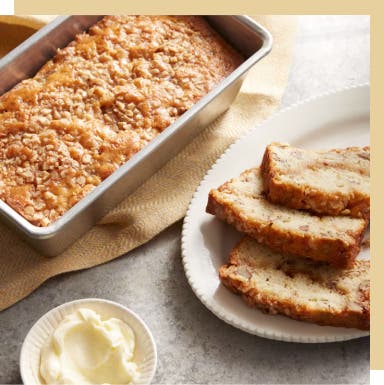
(193, 345)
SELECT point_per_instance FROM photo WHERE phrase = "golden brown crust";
(354, 203)
(241, 278)
(336, 251)
(98, 102)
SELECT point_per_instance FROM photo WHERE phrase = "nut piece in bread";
(334, 182)
(299, 288)
(241, 202)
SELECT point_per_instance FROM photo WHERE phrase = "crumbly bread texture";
(299, 288)
(241, 202)
(98, 102)
(334, 182)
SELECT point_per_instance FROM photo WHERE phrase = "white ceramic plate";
(338, 119)
(145, 350)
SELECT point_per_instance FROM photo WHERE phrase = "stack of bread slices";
(304, 214)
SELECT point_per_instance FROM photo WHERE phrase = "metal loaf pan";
(244, 34)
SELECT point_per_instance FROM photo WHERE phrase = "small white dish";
(338, 119)
(145, 351)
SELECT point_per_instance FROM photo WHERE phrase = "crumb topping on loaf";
(98, 102)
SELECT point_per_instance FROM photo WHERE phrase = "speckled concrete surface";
(193, 345)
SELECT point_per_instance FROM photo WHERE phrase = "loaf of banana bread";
(98, 102)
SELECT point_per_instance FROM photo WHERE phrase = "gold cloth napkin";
(162, 199)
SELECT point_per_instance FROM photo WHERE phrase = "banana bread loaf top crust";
(98, 102)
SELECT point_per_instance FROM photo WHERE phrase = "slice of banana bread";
(241, 203)
(334, 182)
(299, 288)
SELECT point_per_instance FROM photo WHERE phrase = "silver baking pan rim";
(40, 233)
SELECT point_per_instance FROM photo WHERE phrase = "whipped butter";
(84, 349)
